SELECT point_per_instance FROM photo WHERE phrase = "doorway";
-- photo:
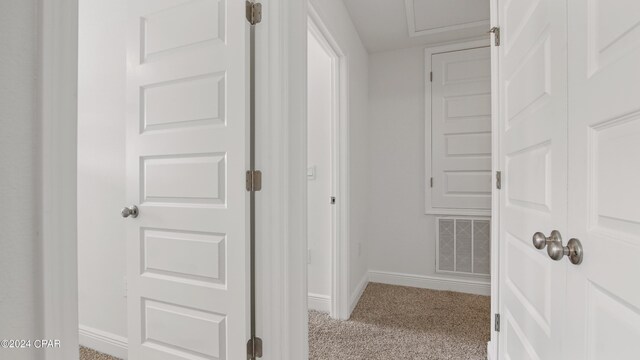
(398, 244)
(327, 171)
(320, 171)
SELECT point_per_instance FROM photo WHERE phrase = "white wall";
(20, 165)
(319, 74)
(101, 171)
(402, 237)
(336, 18)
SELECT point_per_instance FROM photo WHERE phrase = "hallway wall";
(101, 174)
(21, 297)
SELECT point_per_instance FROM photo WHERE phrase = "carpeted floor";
(90, 354)
(404, 323)
(397, 323)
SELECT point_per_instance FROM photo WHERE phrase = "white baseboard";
(490, 351)
(357, 293)
(104, 342)
(431, 282)
(319, 302)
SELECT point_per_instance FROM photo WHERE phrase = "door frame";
(339, 149)
(492, 345)
(58, 114)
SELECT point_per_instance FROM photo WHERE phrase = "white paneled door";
(461, 130)
(604, 179)
(570, 144)
(186, 160)
(533, 148)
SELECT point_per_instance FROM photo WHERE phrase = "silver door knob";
(556, 250)
(573, 251)
(130, 211)
(540, 241)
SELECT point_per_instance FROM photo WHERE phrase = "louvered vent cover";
(464, 245)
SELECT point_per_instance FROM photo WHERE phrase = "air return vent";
(463, 245)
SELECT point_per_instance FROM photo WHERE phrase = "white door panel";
(533, 136)
(604, 137)
(186, 160)
(461, 129)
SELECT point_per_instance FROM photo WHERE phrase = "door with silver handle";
(130, 211)
(556, 250)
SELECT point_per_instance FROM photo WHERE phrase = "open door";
(604, 168)
(187, 153)
(570, 115)
(533, 137)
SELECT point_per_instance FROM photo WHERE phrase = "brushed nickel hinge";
(496, 34)
(254, 348)
(431, 76)
(496, 320)
(254, 180)
(498, 180)
(254, 12)
(431, 182)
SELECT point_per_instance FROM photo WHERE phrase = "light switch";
(311, 173)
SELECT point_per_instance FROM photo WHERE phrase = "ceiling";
(394, 24)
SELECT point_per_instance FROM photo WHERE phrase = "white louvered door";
(186, 159)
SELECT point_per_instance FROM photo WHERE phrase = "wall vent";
(463, 245)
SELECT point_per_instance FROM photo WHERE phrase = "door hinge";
(498, 180)
(254, 180)
(333, 200)
(254, 348)
(496, 325)
(431, 76)
(496, 35)
(254, 12)
(431, 182)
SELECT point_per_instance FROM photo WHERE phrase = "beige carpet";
(404, 323)
(397, 323)
(90, 354)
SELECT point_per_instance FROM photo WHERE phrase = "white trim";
(319, 302)
(477, 287)
(492, 346)
(428, 52)
(491, 355)
(458, 212)
(339, 166)
(281, 40)
(104, 342)
(357, 293)
(411, 23)
(58, 113)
